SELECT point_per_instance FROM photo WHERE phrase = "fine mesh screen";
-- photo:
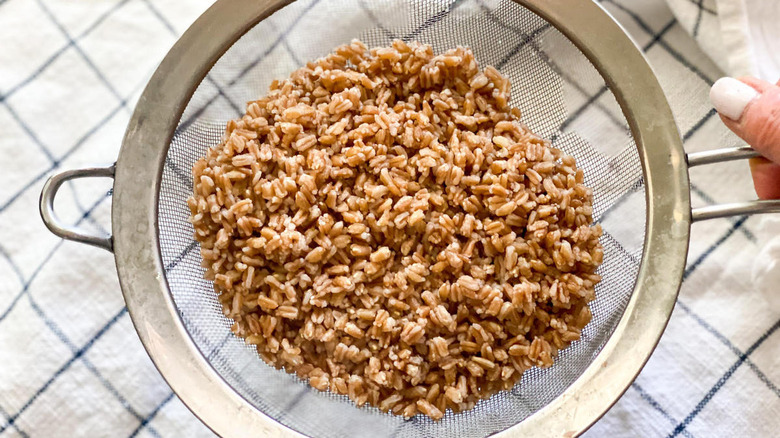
(562, 97)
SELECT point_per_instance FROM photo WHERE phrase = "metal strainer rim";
(202, 389)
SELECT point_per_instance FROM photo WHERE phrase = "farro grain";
(383, 225)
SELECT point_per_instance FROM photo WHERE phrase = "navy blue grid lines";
(78, 50)
(77, 353)
(33, 136)
(145, 422)
(692, 267)
(699, 14)
(63, 368)
(700, 5)
(674, 53)
(657, 406)
(70, 151)
(63, 49)
(725, 341)
(28, 282)
(717, 387)
(10, 420)
(13, 265)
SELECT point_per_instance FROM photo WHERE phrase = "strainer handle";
(46, 206)
(737, 208)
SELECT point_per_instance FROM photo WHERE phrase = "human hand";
(751, 108)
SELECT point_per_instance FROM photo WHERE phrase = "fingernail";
(730, 97)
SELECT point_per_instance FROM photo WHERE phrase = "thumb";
(751, 108)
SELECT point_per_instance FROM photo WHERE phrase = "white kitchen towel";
(741, 36)
(71, 364)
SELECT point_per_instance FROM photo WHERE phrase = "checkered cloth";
(70, 362)
(741, 37)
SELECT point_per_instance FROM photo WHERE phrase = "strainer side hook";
(54, 224)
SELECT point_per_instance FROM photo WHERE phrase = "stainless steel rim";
(140, 268)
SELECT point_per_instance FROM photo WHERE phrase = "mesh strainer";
(578, 79)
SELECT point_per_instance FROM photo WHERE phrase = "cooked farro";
(383, 225)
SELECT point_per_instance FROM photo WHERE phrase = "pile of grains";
(382, 225)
